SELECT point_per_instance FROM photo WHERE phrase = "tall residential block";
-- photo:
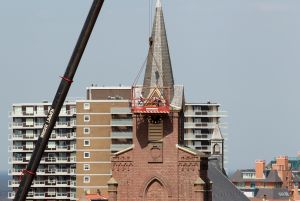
(55, 177)
(104, 126)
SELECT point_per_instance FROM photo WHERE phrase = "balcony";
(120, 110)
(17, 125)
(203, 148)
(41, 113)
(58, 148)
(46, 160)
(54, 136)
(200, 113)
(119, 147)
(121, 135)
(199, 125)
(65, 171)
(42, 183)
(11, 195)
(121, 122)
(192, 136)
(40, 125)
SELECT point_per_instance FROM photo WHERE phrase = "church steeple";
(159, 69)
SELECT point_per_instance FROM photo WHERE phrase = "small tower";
(217, 146)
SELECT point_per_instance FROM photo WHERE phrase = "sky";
(243, 54)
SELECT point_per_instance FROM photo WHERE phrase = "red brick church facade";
(157, 167)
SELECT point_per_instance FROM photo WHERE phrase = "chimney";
(282, 162)
(260, 166)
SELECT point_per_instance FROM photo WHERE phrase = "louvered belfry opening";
(155, 131)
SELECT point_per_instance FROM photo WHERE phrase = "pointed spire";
(217, 135)
(159, 69)
(158, 4)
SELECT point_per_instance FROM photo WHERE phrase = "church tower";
(157, 167)
(217, 147)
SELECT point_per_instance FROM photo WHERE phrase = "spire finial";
(158, 4)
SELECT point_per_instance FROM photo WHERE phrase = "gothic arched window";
(217, 149)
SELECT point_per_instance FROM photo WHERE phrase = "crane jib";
(29, 173)
(48, 120)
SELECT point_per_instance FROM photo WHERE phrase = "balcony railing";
(41, 113)
(44, 160)
(119, 147)
(60, 136)
(121, 134)
(50, 195)
(42, 183)
(199, 125)
(23, 148)
(120, 110)
(121, 122)
(191, 136)
(15, 125)
(204, 113)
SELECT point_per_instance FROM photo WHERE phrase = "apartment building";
(202, 129)
(77, 159)
(55, 177)
(104, 126)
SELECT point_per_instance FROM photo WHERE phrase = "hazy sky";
(243, 54)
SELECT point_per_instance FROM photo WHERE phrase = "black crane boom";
(62, 91)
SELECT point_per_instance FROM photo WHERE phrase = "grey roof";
(271, 176)
(222, 188)
(158, 69)
(275, 193)
(217, 135)
(178, 98)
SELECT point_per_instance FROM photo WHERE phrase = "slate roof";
(271, 176)
(222, 188)
(159, 69)
(275, 193)
(217, 135)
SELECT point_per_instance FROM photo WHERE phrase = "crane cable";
(150, 4)
(150, 49)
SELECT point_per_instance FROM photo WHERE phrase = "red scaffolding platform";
(150, 100)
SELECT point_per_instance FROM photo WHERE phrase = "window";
(40, 110)
(86, 167)
(86, 106)
(28, 156)
(29, 133)
(86, 143)
(51, 191)
(217, 149)
(86, 154)
(51, 145)
(86, 130)
(86, 118)
(29, 110)
(86, 179)
(63, 110)
(18, 110)
(29, 145)
(51, 180)
(29, 121)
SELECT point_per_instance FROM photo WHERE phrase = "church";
(158, 167)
